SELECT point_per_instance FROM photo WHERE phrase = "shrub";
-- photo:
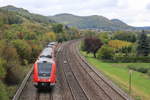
(139, 68)
(105, 53)
(131, 59)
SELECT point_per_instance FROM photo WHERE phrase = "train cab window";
(47, 56)
(44, 69)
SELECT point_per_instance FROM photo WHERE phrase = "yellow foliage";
(51, 35)
(119, 43)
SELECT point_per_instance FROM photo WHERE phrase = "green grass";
(119, 74)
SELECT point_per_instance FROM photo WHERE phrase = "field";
(119, 74)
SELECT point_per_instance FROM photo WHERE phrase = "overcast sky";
(132, 12)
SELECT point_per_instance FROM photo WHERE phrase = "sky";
(132, 12)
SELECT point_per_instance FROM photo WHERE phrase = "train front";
(44, 74)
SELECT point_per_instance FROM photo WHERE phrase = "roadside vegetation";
(118, 53)
(22, 37)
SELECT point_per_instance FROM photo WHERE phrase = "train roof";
(45, 60)
(47, 52)
(52, 43)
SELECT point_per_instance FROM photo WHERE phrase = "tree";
(104, 36)
(92, 44)
(57, 28)
(125, 36)
(9, 64)
(23, 49)
(117, 44)
(105, 53)
(143, 48)
(127, 50)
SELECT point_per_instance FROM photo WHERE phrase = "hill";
(81, 22)
(30, 16)
(143, 28)
(91, 22)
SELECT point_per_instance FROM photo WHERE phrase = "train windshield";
(44, 69)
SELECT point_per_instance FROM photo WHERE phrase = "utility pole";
(130, 79)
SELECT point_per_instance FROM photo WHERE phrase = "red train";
(44, 72)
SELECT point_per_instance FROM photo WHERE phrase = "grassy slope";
(119, 73)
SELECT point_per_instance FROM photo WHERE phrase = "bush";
(131, 59)
(105, 53)
(139, 68)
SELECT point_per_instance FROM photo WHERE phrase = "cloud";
(133, 12)
(148, 6)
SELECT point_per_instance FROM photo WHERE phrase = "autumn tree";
(92, 44)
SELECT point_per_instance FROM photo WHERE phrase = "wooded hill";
(91, 22)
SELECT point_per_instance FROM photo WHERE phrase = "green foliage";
(14, 32)
(143, 48)
(36, 49)
(2, 68)
(105, 53)
(49, 36)
(125, 36)
(89, 33)
(23, 49)
(141, 69)
(3, 92)
(126, 50)
(104, 36)
(30, 36)
(57, 28)
(131, 59)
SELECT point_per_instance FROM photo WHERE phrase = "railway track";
(113, 92)
(76, 80)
